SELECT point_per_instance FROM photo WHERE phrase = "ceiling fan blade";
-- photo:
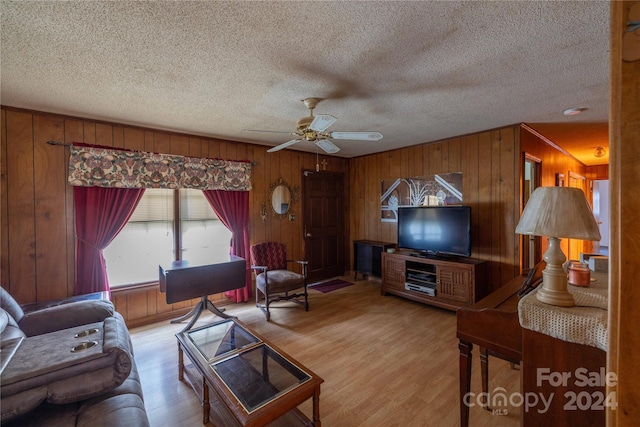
(327, 146)
(363, 136)
(284, 145)
(268, 131)
(322, 122)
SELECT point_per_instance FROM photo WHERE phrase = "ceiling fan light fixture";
(304, 123)
(599, 152)
(574, 111)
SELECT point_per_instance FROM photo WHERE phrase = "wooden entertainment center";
(446, 283)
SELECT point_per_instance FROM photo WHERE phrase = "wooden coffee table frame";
(207, 381)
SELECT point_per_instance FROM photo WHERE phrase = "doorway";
(601, 213)
(576, 247)
(531, 245)
(323, 227)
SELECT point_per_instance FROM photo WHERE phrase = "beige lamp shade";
(559, 212)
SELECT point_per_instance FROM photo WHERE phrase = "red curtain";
(100, 215)
(232, 207)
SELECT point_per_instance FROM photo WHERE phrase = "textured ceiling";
(415, 71)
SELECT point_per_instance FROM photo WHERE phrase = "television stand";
(434, 255)
(448, 283)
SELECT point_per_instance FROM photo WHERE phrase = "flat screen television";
(435, 230)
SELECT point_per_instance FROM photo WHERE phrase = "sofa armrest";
(46, 369)
(34, 306)
(65, 316)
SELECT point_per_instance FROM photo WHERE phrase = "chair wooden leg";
(464, 366)
(265, 307)
(266, 304)
(484, 373)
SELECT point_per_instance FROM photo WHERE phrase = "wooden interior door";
(323, 211)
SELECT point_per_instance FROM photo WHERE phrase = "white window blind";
(148, 238)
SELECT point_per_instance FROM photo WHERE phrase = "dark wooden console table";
(182, 281)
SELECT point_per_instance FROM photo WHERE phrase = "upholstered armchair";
(273, 280)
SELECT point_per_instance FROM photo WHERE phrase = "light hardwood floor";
(386, 361)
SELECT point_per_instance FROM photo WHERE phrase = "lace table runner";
(586, 323)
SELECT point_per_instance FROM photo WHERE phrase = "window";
(149, 238)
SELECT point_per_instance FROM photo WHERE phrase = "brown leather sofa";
(69, 364)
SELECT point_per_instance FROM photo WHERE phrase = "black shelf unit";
(421, 274)
(367, 257)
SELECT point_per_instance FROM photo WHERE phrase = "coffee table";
(253, 382)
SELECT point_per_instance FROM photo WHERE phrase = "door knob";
(308, 235)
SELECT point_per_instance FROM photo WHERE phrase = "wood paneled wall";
(37, 234)
(489, 162)
(553, 159)
(37, 219)
(597, 172)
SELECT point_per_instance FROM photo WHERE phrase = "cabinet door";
(454, 283)
(393, 272)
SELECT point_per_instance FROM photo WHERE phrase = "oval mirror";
(280, 199)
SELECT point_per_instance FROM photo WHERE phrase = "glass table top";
(259, 375)
(221, 338)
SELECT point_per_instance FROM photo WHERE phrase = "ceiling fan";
(313, 128)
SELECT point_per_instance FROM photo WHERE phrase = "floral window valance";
(103, 167)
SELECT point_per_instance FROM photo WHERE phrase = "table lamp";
(557, 212)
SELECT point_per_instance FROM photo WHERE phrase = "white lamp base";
(554, 279)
